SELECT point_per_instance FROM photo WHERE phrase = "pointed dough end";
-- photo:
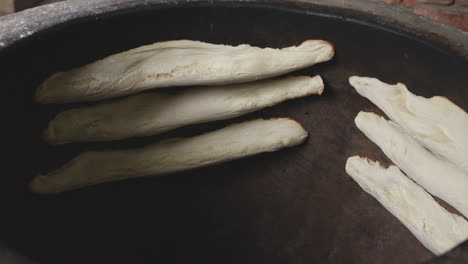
(321, 86)
(327, 48)
(43, 94)
(39, 95)
(362, 116)
(299, 126)
(39, 185)
(49, 135)
(360, 83)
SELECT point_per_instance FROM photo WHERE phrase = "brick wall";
(10, 6)
(450, 12)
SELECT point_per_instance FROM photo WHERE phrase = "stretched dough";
(437, 123)
(178, 63)
(437, 176)
(154, 113)
(436, 228)
(173, 155)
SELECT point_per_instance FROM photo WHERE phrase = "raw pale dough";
(173, 155)
(154, 113)
(436, 228)
(437, 123)
(437, 176)
(178, 63)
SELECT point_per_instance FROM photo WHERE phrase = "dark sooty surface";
(294, 206)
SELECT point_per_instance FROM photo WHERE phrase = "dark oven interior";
(293, 206)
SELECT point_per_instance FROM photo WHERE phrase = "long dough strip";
(173, 155)
(435, 122)
(436, 228)
(438, 177)
(155, 113)
(178, 63)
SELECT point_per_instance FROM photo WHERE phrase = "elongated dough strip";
(436, 228)
(154, 113)
(173, 155)
(438, 177)
(178, 63)
(437, 123)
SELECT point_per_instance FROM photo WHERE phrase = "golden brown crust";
(373, 161)
(294, 121)
(454, 104)
(328, 43)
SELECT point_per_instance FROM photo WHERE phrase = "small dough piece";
(173, 155)
(435, 122)
(436, 228)
(178, 63)
(437, 176)
(154, 113)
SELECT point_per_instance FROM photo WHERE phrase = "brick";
(462, 2)
(390, 1)
(409, 3)
(458, 19)
(10, 6)
(7, 6)
(437, 2)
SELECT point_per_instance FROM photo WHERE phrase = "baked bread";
(177, 63)
(436, 122)
(173, 155)
(437, 176)
(436, 228)
(154, 112)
